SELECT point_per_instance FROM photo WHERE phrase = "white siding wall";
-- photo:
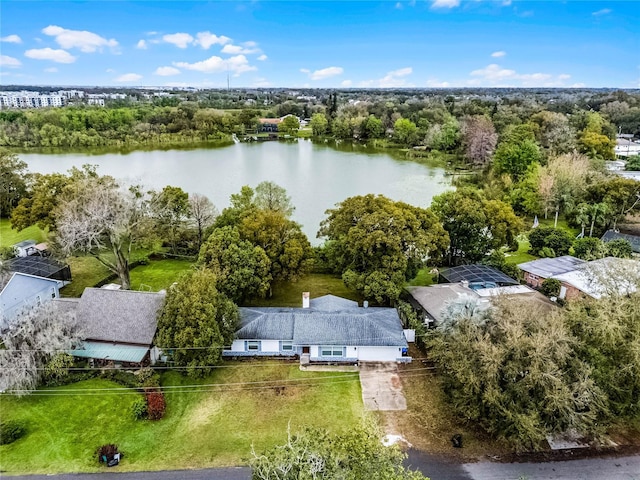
(378, 354)
(270, 346)
(237, 346)
(315, 351)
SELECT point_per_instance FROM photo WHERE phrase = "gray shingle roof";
(634, 240)
(325, 323)
(548, 267)
(122, 316)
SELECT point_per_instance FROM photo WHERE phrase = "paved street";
(435, 467)
(621, 468)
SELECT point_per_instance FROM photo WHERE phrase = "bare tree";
(270, 196)
(203, 213)
(479, 139)
(34, 338)
(105, 221)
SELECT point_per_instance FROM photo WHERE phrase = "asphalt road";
(435, 467)
(621, 468)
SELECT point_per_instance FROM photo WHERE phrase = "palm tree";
(598, 213)
(582, 216)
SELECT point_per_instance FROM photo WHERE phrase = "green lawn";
(9, 237)
(289, 294)
(422, 279)
(158, 274)
(85, 272)
(522, 255)
(213, 426)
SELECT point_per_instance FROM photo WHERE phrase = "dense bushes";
(550, 242)
(156, 404)
(11, 430)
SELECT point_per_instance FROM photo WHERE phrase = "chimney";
(305, 299)
(365, 304)
(465, 283)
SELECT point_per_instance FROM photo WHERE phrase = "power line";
(240, 386)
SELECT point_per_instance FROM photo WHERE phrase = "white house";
(25, 248)
(330, 329)
(25, 291)
(626, 148)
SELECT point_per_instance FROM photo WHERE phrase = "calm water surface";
(316, 176)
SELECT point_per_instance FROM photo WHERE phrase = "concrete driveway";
(381, 386)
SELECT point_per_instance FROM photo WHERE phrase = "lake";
(316, 176)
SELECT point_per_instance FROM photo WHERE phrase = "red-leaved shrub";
(155, 404)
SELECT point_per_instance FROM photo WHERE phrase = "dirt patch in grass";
(429, 422)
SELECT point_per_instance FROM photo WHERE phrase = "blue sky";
(406, 43)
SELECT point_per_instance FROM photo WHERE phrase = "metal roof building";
(548, 267)
(634, 240)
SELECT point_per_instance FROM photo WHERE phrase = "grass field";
(158, 274)
(212, 426)
(9, 237)
(289, 294)
(422, 279)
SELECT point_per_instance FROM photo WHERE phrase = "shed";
(24, 248)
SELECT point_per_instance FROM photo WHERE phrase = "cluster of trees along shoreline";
(516, 372)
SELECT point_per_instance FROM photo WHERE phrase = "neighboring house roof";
(329, 321)
(435, 298)
(604, 276)
(269, 120)
(476, 274)
(119, 316)
(548, 267)
(25, 243)
(40, 266)
(634, 240)
(21, 290)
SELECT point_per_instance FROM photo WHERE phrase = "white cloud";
(55, 55)
(445, 3)
(87, 42)
(604, 11)
(261, 82)
(494, 75)
(110, 70)
(128, 77)
(142, 44)
(206, 39)
(323, 72)
(262, 57)
(180, 40)
(399, 6)
(241, 50)
(51, 70)
(394, 78)
(499, 54)
(346, 83)
(7, 61)
(166, 71)
(238, 64)
(11, 39)
(435, 83)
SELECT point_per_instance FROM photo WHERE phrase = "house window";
(331, 351)
(286, 346)
(253, 346)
